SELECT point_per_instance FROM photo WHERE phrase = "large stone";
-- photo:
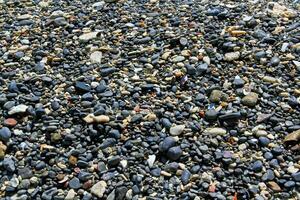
(98, 189)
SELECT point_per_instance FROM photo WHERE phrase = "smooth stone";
(231, 56)
(91, 118)
(275, 61)
(11, 122)
(289, 184)
(18, 109)
(155, 172)
(174, 153)
(48, 194)
(257, 166)
(96, 57)
(268, 176)
(167, 143)
(238, 82)
(82, 86)
(107, 71)
(185, 176)
(74, 183)
(98, 189)
(296, 176)
(211, 114)
(202, 68)
(177, 59)
(176, 130)
(71, 195)
(270, 79)
(250, 99)
(5, 134)
(215, 131)
(88, 36)
(264, 141)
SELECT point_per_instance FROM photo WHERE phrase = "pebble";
(174, 153)
(74, 183)
(99, 188)
(250, 99)
(167, 143)
(96, 57)
(19, 109)
(88, 36)
(232, 56)
(91, 118)
(5, 134)
(215, 131)
(176, 130)
(151, 160)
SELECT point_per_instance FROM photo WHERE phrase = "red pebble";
(10, 122)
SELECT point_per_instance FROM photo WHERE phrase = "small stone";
(55, 137)
(177, 59)
(82, 86)
(292, 169)
(257, 166)
(270, 79)
(88, 36)
(18, 109)
(289, 184)
(72, 160)
(274, 186)
(167, 144)
(120, 193)
(250, 99)
(176, 130)
(11, 122)
(2, 150)
(5, 134)
(9, 164)
(96, 57)
(71, 195)
(185, 176)
(275, 61)
(211, 114)
(91, 118)
(151, 160)
(296, 176)
(268, 176)
(74, 183)
(232, 56)
(174, 153)
(238, 82)
(98, 189)
(216, 96)
(215, 131)
(264, 141)
(293, 137)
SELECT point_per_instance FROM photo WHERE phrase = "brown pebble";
(274, 186)
(10, 122)
(72, 160)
